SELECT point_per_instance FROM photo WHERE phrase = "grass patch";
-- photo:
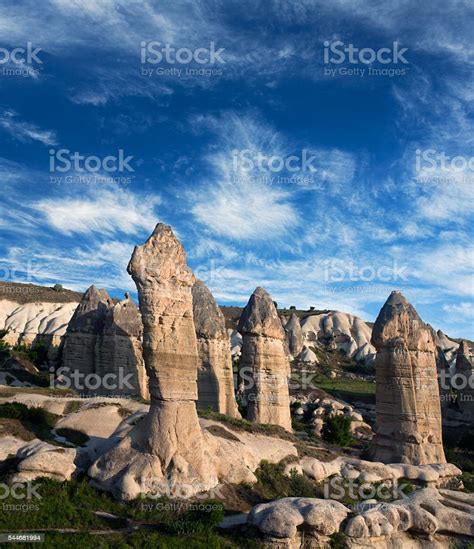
(37, 354)
(74, 504)
(36, 420)
(463, 460)
(15, 428)
(347, 389)
(124, 412)
(245, 425)
(143, 539)
(6, 392)
(72, 407)
(219, 431)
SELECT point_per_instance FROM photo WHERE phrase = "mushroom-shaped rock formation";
(264, 364)
(164, 453)
(215, 374)
(408, 423)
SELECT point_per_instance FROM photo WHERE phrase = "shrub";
(273, 483)
(468, 481)
(337, 430)
(58, 288)
(338, 541)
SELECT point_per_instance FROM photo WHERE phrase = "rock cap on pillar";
(209, 320)
(260, 316)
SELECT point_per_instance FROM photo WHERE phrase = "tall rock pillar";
(408, 424)
(83, 330)
(215, 375)
(164, 453)
(264, 363)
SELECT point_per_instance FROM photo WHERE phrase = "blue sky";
(365, 215)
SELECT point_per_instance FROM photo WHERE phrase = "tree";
(337, 430)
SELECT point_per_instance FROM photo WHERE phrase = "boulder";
(40, 459)
(284, 518)
(424, 512)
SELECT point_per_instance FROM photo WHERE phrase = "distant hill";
(32, 293)
(232, 314)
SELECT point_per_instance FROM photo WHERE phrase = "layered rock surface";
(264, 362)
(215, 374)
(424, 512)
(165, 450)
(83, 330)
(408, 423)
(104, 339)
(119, 350)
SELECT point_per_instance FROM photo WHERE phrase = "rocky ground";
(53, 434)
(309, 484)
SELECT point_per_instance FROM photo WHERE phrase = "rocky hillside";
(32, 293)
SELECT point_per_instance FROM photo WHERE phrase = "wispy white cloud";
(24, 131)
(107, 210)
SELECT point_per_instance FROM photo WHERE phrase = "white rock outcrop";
(28, 323)
(340, 331)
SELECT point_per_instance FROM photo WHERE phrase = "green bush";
(468, 481)
(337, 430)
(273, 483)
(338, 541)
